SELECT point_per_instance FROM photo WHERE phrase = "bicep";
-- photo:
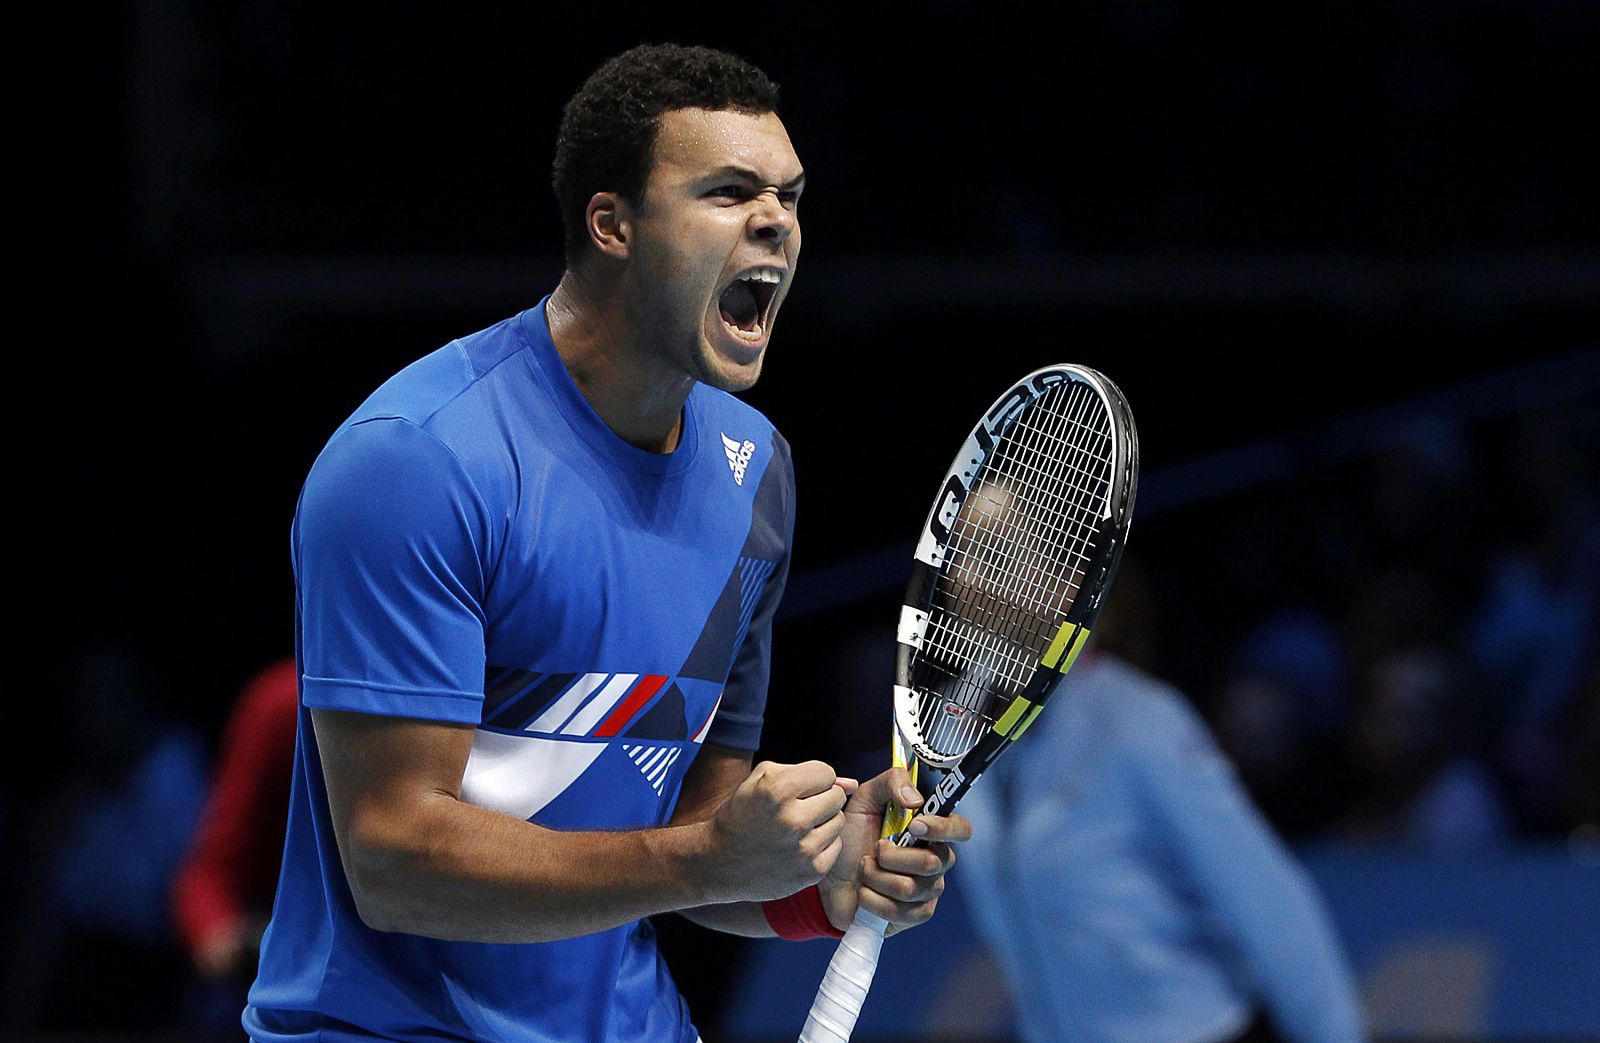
(715, 774)
(381, 775)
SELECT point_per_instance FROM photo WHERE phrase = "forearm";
(742, 918)
(715, 775)
(466, 873)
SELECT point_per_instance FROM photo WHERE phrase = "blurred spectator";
(1424, 476)
(1303, 651)
(1392, 612)
(222, 896)
(1116, 848)
(1581, 788)
(107, 843)
(1532, 637)
(1419, 782)
(1281, 717)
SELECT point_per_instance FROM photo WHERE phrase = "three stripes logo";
(739, 455)
(654, 762)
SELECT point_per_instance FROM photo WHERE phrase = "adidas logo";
(738, 456)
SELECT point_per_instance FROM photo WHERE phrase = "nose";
(772, 220)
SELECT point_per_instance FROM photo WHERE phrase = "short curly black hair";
(609, 128)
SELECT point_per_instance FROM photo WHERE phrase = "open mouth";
(746, 305)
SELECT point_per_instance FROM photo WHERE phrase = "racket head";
(1013, 562)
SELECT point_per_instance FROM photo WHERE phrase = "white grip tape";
(844, 987)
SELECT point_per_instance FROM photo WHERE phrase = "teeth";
(762, 275)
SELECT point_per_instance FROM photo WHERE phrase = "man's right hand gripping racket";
(1010, 572)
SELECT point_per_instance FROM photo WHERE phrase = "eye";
(728, 192)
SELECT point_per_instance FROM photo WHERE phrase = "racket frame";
(954, 775)
(845, 985)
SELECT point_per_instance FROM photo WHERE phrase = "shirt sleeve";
(744, 697)
(390, 551)
(1259, 898)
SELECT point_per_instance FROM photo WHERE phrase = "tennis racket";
(1009, 574)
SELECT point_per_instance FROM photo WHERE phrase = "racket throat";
(949, 789)
(895, 817)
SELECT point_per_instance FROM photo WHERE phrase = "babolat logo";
(739, 455)
(944, 791)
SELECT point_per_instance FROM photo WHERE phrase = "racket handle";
(844, 987)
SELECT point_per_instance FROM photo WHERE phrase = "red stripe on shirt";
(648, 686)
(700, 733)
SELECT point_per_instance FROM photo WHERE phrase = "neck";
(593, 326)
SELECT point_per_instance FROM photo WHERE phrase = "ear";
(609, 219)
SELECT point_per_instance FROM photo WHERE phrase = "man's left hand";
(900, 884)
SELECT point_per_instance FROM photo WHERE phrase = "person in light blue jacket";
(1132, 891)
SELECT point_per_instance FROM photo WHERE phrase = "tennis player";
(536, 576)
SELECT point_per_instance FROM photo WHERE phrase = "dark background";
(1302, 232)
(1251, 221)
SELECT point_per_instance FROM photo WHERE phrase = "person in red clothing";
(222, 894)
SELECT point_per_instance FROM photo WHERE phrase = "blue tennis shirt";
(475, 545)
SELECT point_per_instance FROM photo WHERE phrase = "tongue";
(738, 306)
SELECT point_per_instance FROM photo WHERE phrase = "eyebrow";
(747, 174)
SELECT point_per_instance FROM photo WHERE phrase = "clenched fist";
(778, 832)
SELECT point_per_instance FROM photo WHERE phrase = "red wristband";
(800, 916)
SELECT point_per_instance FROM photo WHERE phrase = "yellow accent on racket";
(1064, 637)
(1072, 656)
(1024, 725)
(1013, 714)
(896, 818)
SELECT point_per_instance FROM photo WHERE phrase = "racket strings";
(1069, 521)
(1017, 555)
(1027, 557)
